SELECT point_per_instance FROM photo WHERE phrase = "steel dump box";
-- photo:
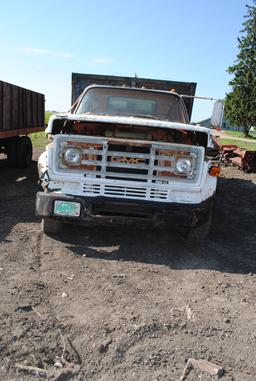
(81, 81)
(21, 110)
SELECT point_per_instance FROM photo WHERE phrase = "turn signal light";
(214, 171)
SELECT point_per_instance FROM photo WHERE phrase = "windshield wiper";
(144, 116)
(92, 113)
(119, 114)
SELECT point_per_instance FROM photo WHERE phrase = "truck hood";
(129, 120)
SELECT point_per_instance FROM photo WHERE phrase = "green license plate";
(67, 208)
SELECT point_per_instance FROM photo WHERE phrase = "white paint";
(71, 181)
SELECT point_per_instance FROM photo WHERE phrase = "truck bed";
(21, 110)
(81, 81)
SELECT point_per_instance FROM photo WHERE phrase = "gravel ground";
(125, 304)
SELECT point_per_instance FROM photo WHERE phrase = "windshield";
(132, 102)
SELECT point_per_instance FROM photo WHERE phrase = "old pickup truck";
(128, 155)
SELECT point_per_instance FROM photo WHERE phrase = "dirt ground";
(125, 304)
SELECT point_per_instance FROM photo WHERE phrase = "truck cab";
(126, 155)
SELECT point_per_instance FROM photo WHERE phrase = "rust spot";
(85, 145)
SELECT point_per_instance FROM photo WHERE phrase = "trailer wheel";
(24, 152)
(50, 227)
(11, 151)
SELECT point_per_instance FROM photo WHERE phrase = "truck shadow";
(17, 196)
(230, 246)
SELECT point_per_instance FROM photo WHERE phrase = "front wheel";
(50, 227)
(200, 233)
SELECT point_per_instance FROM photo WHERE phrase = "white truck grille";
(126, 168)
(124, 191)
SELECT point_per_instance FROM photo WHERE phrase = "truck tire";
(11, 151)
(24, 152)
(199, 234)
(50, 227)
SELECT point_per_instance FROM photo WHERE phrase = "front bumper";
(105, 211)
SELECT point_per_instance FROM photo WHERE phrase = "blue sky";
(43, 42)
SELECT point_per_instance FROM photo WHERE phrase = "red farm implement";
(235, 156)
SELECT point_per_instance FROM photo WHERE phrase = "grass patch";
(248, 146)
(47, 116)
(239, 134)
(39, 139)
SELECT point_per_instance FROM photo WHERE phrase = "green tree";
(240, 105)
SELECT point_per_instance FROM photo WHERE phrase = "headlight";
(73, 156)
(183, 166)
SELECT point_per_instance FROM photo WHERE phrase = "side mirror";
(217, 114)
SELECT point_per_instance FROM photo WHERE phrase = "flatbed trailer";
(21, 113)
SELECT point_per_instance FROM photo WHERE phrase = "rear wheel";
(11, 151)
(24, 152)
(50, 227)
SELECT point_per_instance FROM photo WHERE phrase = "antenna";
(193, 96)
